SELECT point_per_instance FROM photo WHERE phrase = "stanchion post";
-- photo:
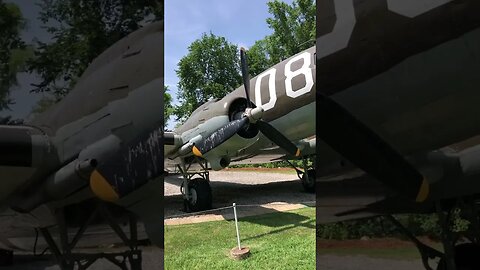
(236, 225)
(238, 253)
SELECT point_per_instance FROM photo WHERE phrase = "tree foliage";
(293, 31)
(258, 57)
(43, 104)
(417, 224)
(82, 30)
(12, 50)
(211, 67)
(167, 105)
(210, 70)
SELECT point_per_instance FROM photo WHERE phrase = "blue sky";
(241, 22)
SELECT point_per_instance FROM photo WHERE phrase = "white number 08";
(304, 71)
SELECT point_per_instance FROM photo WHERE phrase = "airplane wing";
(274, 153)
(356, 195)
(263, 151)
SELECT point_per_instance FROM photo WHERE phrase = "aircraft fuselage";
(286, 92)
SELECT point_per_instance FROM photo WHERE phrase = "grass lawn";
(284, 240)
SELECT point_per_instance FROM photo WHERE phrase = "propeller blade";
(269, 131)
(278, 138)
(218, 137)
(356, 142)
(127, 170)
(245, 75)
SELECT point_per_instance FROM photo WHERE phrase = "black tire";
(6, 257)
(309, 185)
(201, 195)
(466, 257)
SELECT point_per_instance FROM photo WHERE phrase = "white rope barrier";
(228, 207)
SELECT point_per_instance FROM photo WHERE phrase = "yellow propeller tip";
(297, 154)
(424, 191)
(196, 152)
(101, 188)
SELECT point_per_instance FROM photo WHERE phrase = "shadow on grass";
(224, 194)
(284, 221)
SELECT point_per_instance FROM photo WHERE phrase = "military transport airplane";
(398, 97)
(102, 143)
(238, 129)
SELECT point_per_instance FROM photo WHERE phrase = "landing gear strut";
(308, 179)
(463, 256)
(67, 260)
(426, 252)
(197, 192)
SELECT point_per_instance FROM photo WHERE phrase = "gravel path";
(269, 190)
(332, 262)
(152, 260)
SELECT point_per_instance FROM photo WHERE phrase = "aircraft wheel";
(200, 195)
(309, 184)
(6, 257)
(466, 257)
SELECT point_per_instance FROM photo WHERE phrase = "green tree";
(167, 105)
(43, 104)
(211, 69)
(12, 50)
(293, 31)
(82, 30)
(258, 57)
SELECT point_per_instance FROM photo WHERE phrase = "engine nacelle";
(71, 177)
(219, 163)
(60, 184)
(220, 157)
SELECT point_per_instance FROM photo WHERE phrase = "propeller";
(129, 168)
(245, 75)
(363, 147)
(251, 117)
(219, 136)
